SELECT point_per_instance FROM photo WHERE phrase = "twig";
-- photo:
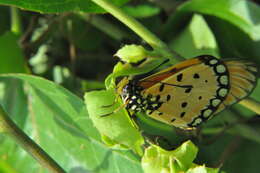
(45, 34)
(230, 149)
(28, 30)
(15, 21)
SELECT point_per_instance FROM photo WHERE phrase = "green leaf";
(241, 13)
(14, 99)
(202, 169)
(239, 160)
(128, 70)
(141, 11)
(81, 33)
(59, 6)
(115, 126)
(196, 39)
(159, 133)
(246, 131)
(92, 85)
(233, 42)
(5, 167)
(157, 160)
(60, 124)
(39, 61)
(5, 19)
(255, 94)
(12, 59)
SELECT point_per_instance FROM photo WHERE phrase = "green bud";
(158, 160)
(132, 53)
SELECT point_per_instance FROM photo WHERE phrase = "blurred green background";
(52, 40)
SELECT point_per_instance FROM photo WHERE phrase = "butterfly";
(191, 92)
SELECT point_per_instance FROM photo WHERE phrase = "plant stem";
(251, 104)
(229, 150)
(15, 21)
(9, 127)
(139, 29)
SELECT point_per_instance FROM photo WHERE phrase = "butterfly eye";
(126, 92)
(126, 89)
(125, 95)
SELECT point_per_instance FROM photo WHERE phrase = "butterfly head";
(126, 92)
(124, 88)
(127, 89)
(130, 92)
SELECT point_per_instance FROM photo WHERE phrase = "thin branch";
(15, 21)
(230, 149)
(45, 35)
(28, 31)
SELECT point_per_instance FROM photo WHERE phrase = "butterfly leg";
(115, 111)
(133, 119)
(114, 102)
(157, 140)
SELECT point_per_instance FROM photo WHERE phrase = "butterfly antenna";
(116, 110)
(151, 71)
(164, 62)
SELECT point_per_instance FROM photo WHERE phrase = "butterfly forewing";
(189, 106)
(158, 77)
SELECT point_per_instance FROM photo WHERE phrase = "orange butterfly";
(191, 92)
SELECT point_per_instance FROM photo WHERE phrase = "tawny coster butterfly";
(191, 92)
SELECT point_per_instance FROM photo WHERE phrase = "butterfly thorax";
(136, 101)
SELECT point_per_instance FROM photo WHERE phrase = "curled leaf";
(116, 128)
(158, 160)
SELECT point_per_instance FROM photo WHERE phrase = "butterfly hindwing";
(242, 81)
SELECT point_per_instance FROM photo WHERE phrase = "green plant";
(58, 120)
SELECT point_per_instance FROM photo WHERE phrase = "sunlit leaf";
(59, 6)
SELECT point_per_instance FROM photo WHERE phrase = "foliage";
(68, 44)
